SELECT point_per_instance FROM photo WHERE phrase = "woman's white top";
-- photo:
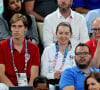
(47, 61)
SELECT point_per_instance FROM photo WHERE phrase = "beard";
(66, 9)
(83, 66)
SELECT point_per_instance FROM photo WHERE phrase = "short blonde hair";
(17, 17)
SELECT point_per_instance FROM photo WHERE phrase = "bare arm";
(3, 77)
(96, 59)
(82, 10)
(34, 73)
(69, 88)
(29, 8)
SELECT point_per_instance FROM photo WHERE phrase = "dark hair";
(64, 24)
(7, 14)
(40, 79)
(81, 45)
(95, 75)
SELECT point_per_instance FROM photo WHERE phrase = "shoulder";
(70, 71)
(93, 69)
(5, 43)
(90, 42)
(50, 48)
(2, 18)
(51, 15)
(77, 15)
(32, 45)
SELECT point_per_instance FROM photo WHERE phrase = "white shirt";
(78, 24)
(3, 86)
(47, 61)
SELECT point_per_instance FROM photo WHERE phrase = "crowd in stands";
(70, 56)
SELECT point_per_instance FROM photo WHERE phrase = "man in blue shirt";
(83, 6)
(73, 78)
(90, 17)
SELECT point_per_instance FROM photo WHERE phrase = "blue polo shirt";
(74, 77)
(90, 17)
(89, 4)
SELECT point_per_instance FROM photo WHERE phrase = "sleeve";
(47, 33)
(45, 65)
(84, 37)
(36, 57)
(67, 79)
(32, 32)
(78, 3)
(4, 29)
(1, 55)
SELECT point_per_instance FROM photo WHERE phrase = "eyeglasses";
(95, 30)
(82, 53)
(17, 26)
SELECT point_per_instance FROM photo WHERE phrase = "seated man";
(91, 15)
(83, 6)
(40, 83)
(19, 58)
(93, 43)
(73, 78)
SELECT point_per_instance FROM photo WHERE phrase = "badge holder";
(22, 79)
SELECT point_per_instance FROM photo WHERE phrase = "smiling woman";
(58, 56)
(92, 81)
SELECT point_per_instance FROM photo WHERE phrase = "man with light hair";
(19, 58)
(94, 44)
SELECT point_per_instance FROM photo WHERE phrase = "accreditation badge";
(22, 79)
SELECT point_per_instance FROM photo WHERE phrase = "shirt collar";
(59, 14)
(23, 49)
(80, 71)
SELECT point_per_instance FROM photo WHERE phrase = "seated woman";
(92, 81)
(11, 7)
(59, 56)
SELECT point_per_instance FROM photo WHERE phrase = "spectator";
(93, 43)
(65, 14)
(90, 17)
(10, 8)
(19, 60)
(40, 83)
(59, 56)
(40, 8)
(73, 78)
(92, 81)
(83, 6)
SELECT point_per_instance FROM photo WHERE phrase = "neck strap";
(26, 53)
